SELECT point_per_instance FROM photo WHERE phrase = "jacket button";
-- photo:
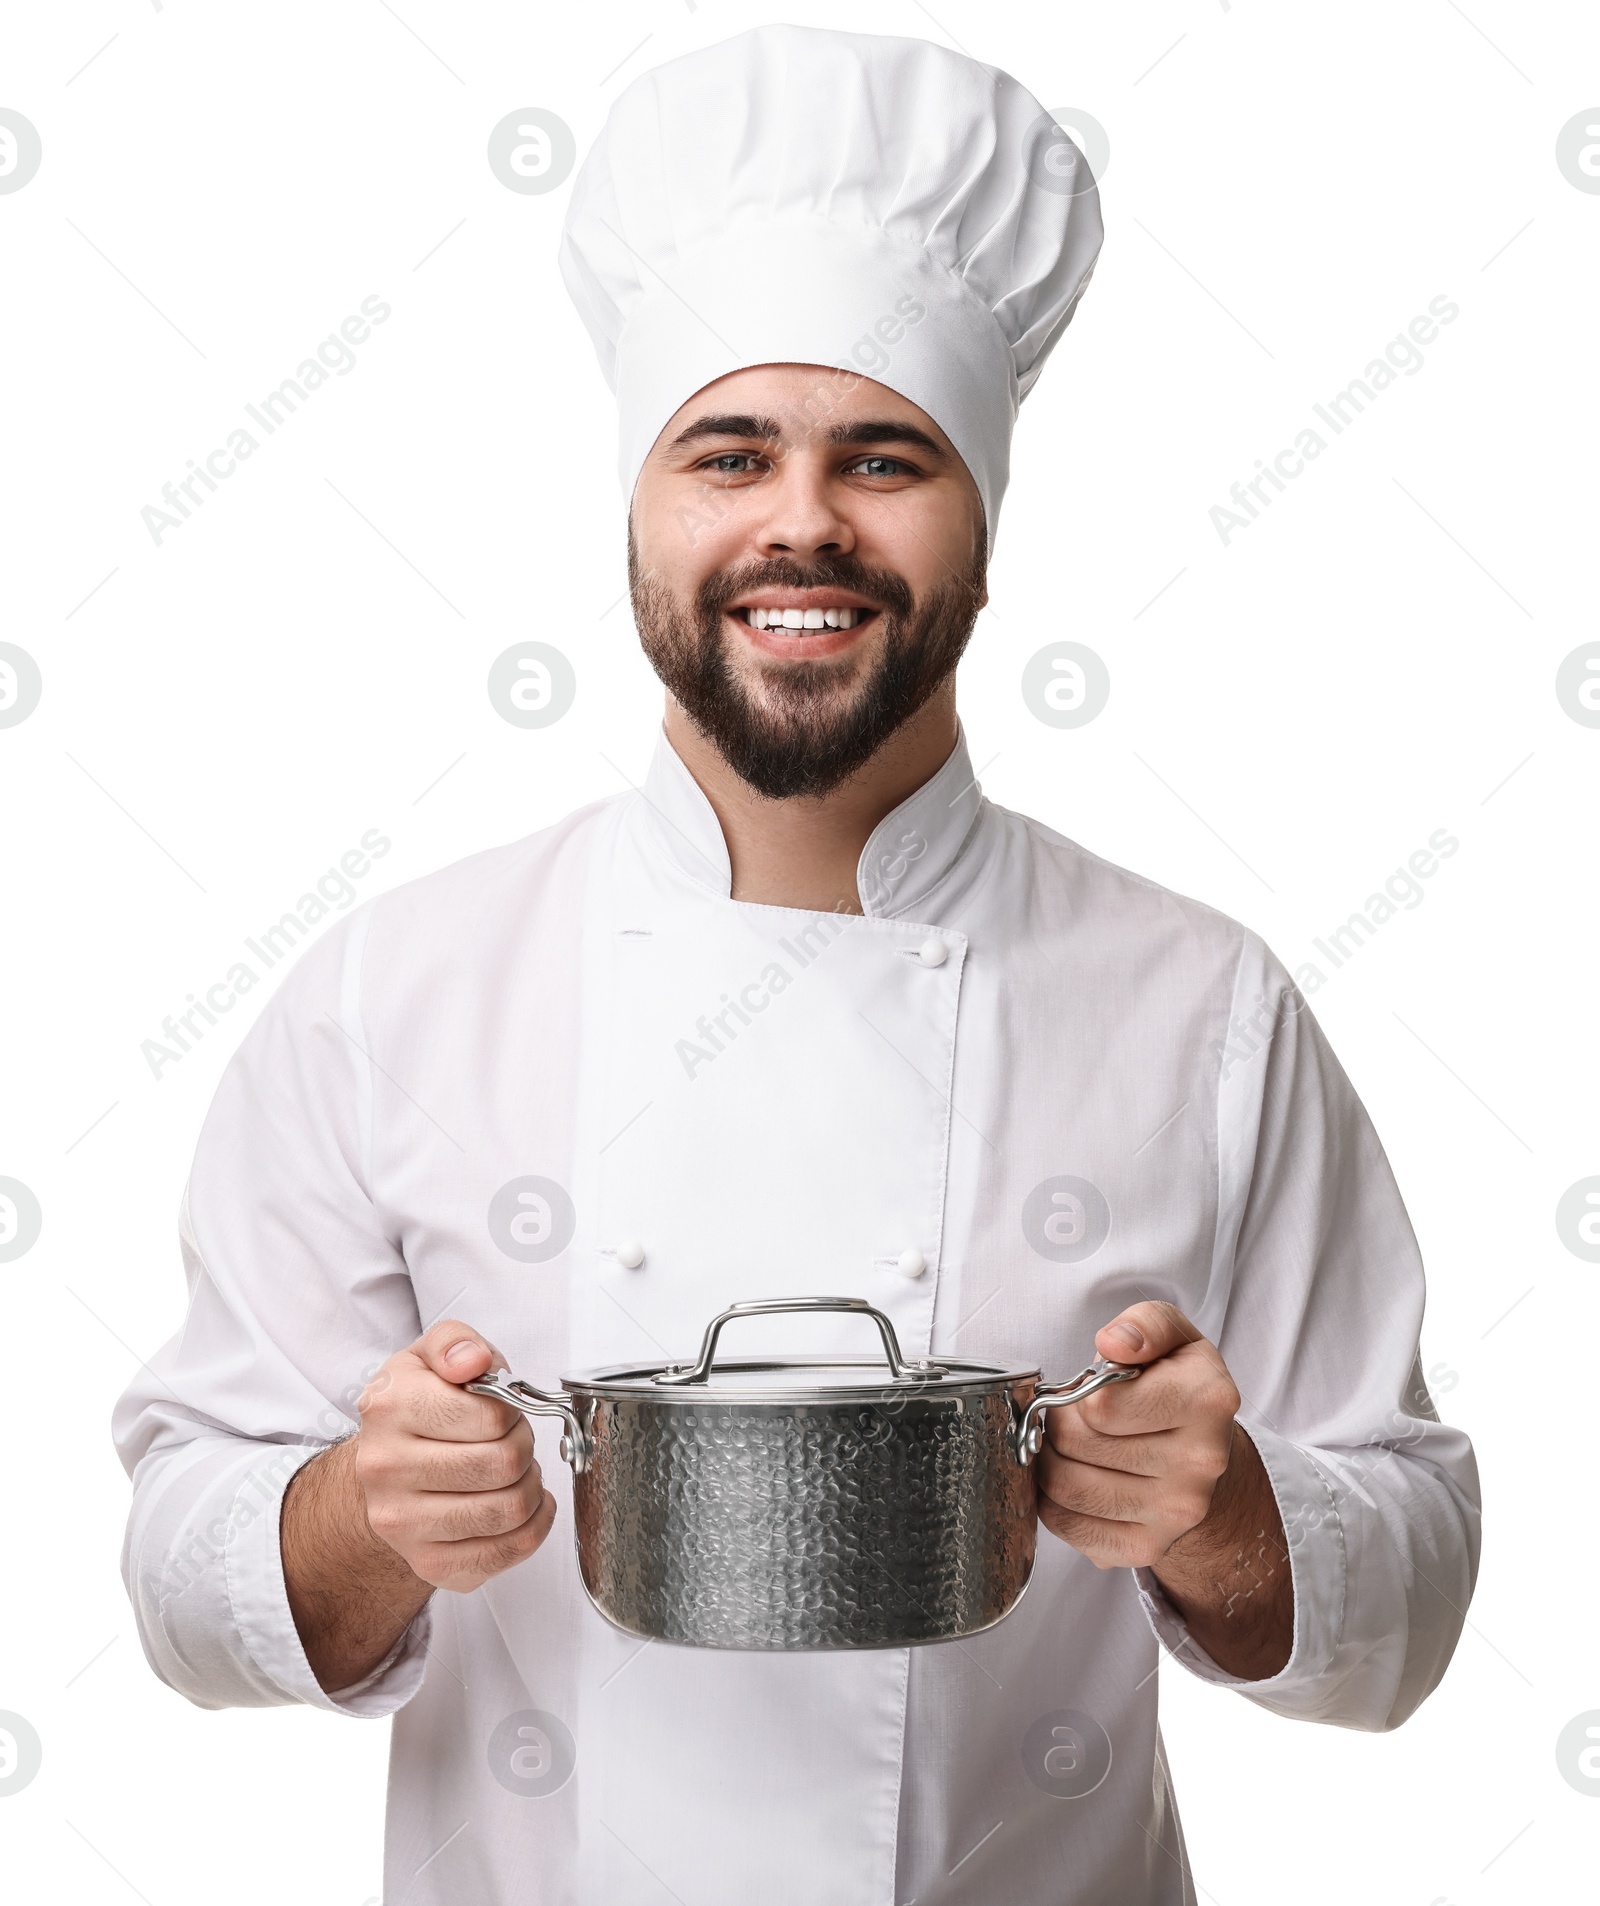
(630, 1254)
(911, 1263)
(933, 952)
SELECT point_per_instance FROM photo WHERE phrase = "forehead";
(803, 401)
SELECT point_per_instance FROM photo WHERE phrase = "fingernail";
(1125, 1336)
(459, 1355)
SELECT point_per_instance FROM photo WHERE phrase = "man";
(804, 1013)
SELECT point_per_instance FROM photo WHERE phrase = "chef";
(804, 1013)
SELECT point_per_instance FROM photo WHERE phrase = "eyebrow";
(885, 430)
(728, 426)
(869, 430)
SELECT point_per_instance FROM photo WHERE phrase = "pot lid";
(821, 1380)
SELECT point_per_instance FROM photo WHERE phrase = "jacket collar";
(910, 850)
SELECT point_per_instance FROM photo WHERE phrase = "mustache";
(844, 571)
(803, 730)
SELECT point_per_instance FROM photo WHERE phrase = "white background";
(1291, 715)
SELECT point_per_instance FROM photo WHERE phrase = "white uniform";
(1100, 1092)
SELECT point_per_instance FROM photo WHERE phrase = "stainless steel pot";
(804, 1502)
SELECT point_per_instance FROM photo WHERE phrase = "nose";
(804, 513)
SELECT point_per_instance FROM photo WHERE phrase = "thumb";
(1145, 1332)
(456, 1352)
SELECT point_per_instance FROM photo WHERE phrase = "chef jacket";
(1054, 1086)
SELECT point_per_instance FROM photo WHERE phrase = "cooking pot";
(805, 1502)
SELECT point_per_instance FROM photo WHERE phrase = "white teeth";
(803, 618)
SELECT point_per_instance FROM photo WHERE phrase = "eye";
(882, 467)
(731, 463)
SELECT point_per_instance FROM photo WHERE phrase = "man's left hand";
(1158, 1474)
(1125, 1474)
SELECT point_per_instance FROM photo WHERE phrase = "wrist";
(1229, 1576)
(350, 1594)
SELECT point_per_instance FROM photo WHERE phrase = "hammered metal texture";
(804, 1525)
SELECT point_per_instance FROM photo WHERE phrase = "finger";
(1110, 1495)
(1186, 1462)
(407, 1399)
(1144, 1332)
(1161, 1400)
(1136, 1453)
(456, 1352)
(1189, 1385)
(423, 1464)
(464, 1566)
(440, 1517)
(1166, 1506)
(1107, 1544)
(413, 1519)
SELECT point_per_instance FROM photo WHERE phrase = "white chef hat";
(794, 195)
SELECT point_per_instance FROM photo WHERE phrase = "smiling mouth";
(801, 621)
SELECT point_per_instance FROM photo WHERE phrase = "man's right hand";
(450, 1479)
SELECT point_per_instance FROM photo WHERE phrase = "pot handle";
(1029, 1438)
(900, 1368)
(505, 1388)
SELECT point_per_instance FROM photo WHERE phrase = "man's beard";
(814, 729)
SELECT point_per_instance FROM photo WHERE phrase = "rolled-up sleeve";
(296, 1295)
(1316, 1305)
